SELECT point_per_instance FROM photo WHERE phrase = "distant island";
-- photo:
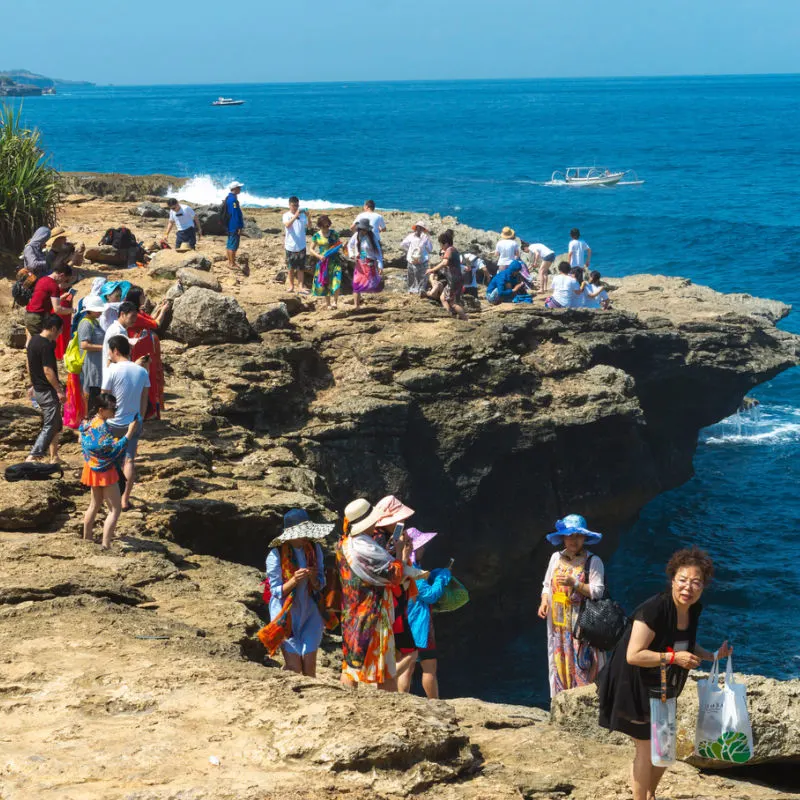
(23, 83)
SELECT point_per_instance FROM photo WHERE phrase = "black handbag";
(600, 623)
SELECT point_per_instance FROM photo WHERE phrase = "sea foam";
(206, 190)
(764, 424)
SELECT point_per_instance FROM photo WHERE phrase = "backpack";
(600, 623)
(32, 471)
(225, 213)
(22, 290)
(74, 356)
(119, 238)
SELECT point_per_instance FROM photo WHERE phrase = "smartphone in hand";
(398, 532)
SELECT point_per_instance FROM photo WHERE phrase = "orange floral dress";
(367, 618)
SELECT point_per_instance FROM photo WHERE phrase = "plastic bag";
(663, 738)
(723, 724)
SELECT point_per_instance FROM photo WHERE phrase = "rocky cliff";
(490, 428)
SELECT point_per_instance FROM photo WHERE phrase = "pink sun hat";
(389, 511)
(419, 538)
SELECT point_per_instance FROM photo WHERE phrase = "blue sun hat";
(572, 523)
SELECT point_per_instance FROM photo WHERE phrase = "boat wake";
(759, 425)
(205, 190)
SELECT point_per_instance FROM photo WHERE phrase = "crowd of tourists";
(378, 592)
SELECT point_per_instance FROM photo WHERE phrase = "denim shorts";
(233, 241)
(118, 431)
(189, 235)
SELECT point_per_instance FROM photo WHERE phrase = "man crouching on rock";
(129, 384)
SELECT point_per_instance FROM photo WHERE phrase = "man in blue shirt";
(235, 221)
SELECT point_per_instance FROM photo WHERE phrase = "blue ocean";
(719, 205)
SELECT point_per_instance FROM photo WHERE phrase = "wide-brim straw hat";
(360, 516)
(420, 538)
(184, 247)
(572, 523)
(57, 233)
(297, 525)
(420, 224)
(391, 511)
(508, 233)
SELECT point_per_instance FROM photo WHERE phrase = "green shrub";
(30, 189)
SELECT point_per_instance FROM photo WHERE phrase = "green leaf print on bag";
(730, 746)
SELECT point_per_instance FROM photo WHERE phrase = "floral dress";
(328, 274)
(101, 453)
(571, 663)
(367, 620)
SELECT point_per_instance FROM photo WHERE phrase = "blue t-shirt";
(236, 221)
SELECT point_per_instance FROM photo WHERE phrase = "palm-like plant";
(30, 189)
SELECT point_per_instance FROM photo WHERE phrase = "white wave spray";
(764, 424)
(205, 190)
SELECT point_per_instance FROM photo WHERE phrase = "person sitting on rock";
(184, 220)
(101, 452)
(34, 258)
(63, 251)
(296, 575)
(506, 284)
(565, 289)
(594, 293)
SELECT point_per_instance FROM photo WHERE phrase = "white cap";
(234, 185)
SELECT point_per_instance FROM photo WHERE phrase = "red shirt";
(41, 301)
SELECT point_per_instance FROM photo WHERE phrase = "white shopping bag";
(723, 724)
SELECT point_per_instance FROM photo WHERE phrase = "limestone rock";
(165, 264)
(149, 210)
(774, 708)
(211, 223)
(188, 277)
(276, 316)
(106, 254)
(202, 316)
(16, 336)
(30, 505)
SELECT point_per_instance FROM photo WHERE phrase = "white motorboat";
(227, 101)
(594, 176)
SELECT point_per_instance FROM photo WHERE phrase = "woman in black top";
(664, 631)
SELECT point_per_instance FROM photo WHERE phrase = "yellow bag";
(73, 356)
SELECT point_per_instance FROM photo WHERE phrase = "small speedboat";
(594, 176)
(227, 101)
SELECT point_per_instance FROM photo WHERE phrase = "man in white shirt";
(507, 248)
(580, 254)
(542, 258)
(295, 223)
(129, 384)
(119, 327)
(377, 223)
(184, 220)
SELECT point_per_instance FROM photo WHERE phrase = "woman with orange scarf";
(296, 575)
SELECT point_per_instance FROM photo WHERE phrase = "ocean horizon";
(718, 206)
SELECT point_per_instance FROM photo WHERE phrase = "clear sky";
(224, 41)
